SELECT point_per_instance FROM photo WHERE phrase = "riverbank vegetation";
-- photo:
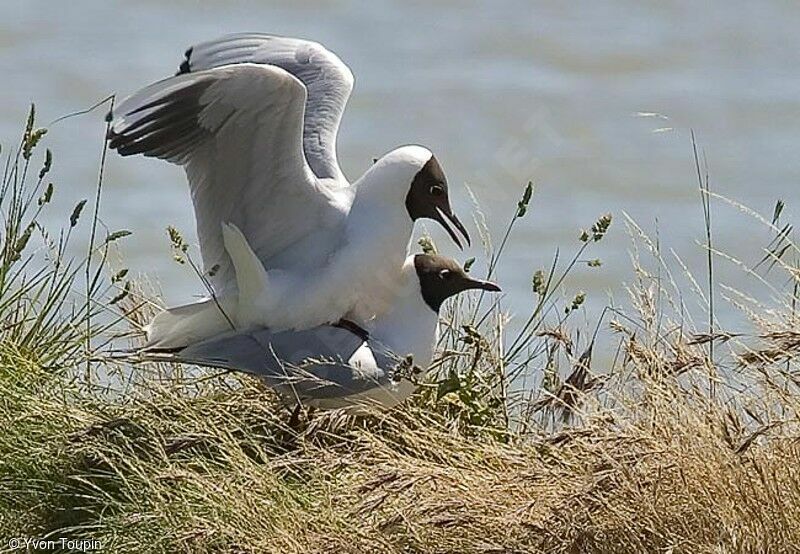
(525, 438)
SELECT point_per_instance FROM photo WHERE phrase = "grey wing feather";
(328, 81)
(307, 364)
(237, 130)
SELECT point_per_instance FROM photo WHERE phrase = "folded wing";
(321, 363)
(237, 130)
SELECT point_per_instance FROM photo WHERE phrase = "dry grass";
(214, 467)
(656, 449)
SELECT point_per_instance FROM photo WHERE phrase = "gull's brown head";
(428, 197)
(441, 277)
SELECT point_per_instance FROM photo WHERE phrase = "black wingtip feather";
(185, 65)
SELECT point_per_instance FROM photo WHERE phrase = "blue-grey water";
(503, 92)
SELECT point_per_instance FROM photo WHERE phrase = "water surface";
(503, 92)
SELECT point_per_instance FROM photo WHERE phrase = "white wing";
(237, 130)
(328, 80)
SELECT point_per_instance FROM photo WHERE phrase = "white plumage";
(253, 120)
(334, 367)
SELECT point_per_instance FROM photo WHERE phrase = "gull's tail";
(251, 277)
(185, 325)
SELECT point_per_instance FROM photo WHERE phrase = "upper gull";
(253, 119)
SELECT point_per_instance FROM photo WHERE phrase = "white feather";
(254, 124)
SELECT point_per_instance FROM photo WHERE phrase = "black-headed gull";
(253, 120)
(333, 366)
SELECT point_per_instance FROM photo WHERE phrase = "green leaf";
(125, 291)
(48, 194)
(522, 205)
(31, 118)
(538, 282)
(176, 240)
(48, 162)
(776, 214)
(22, 242)
(468, 265)
(116, 235)
(76, 213)
(600, 227)
(31, 140)
(579, 299)
(119, 275)
(428, 247)
(451, 384)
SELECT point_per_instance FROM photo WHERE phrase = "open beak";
(483, 285)
(440, 217)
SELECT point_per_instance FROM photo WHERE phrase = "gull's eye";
(436, 190)
(445, 274)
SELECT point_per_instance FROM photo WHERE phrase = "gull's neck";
(379, 215)
(410, 326)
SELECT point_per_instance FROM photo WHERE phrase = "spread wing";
(237, 130)
(328, 81)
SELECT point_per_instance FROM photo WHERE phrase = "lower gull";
(334, 366)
